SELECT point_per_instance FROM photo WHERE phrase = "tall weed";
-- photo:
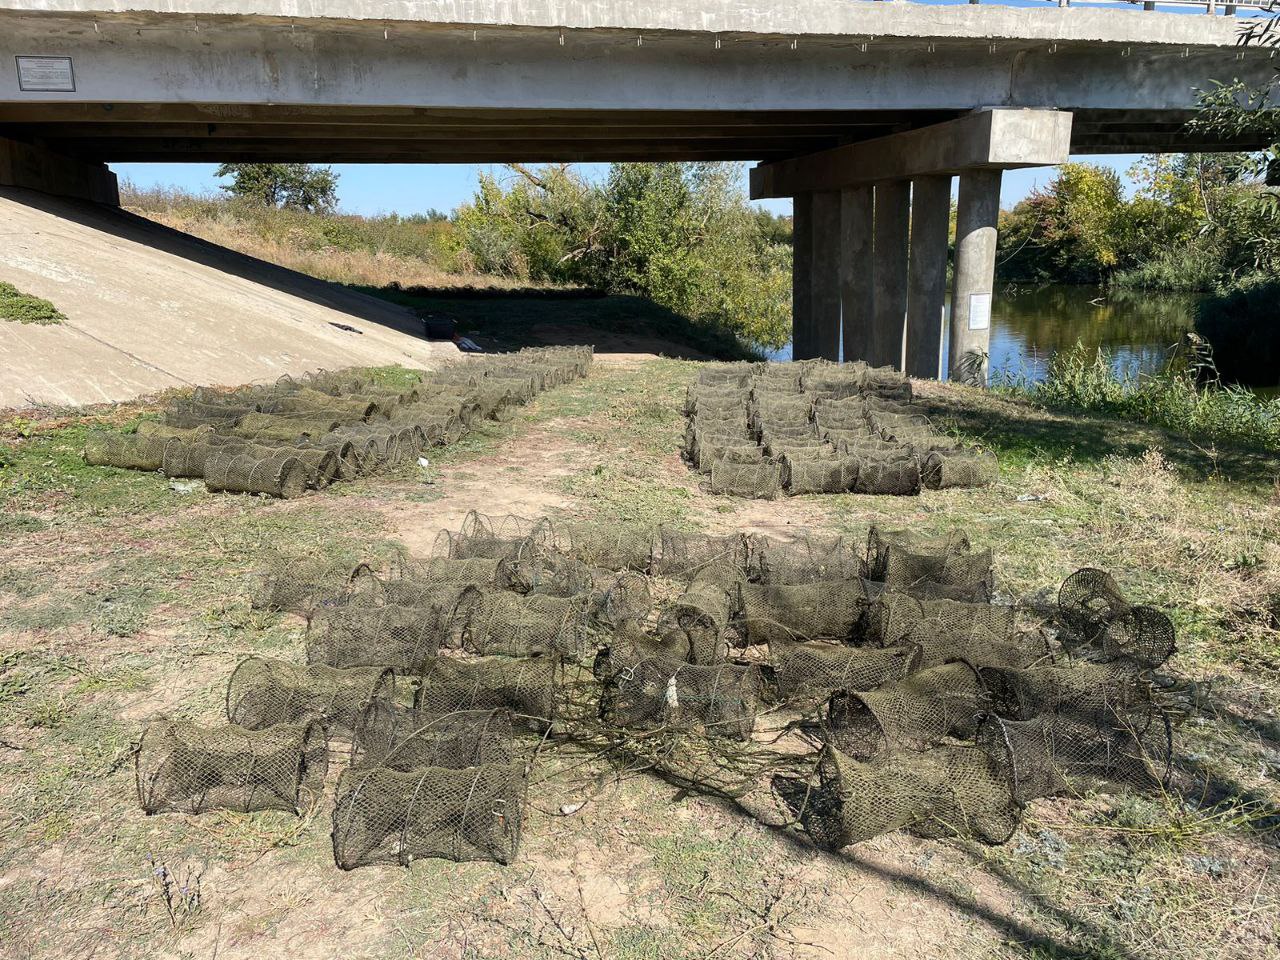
(1186, 396)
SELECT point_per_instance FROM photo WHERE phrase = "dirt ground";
(122, 599)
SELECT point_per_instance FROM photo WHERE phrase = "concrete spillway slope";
(150, 308)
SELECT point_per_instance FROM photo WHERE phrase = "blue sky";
(416, 188)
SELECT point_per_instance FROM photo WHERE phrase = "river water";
(1139, 329)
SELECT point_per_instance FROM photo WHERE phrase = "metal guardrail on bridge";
(1210, 7)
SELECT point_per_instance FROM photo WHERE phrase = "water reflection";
(1029, 324)
(1138, 329)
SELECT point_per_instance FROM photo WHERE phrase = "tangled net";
(842, 687)
(757, 430)
(305, 433)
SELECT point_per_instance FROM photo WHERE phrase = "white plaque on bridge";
(979, 311)
(46, 75)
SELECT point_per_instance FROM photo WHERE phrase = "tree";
(1070, 230)
(681, 234)
(295, 185)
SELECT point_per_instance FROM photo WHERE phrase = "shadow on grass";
(505, 319)
(1093, 942)
(1021, 433)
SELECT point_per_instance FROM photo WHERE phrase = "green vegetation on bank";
(24, 308)
(1187, 397)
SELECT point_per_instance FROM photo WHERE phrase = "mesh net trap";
(863, 684)
(301, 434)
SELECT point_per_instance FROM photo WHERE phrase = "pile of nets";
(818, 427)
(305, 433)
(842, 687)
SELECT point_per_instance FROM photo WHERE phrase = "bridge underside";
(863, 113)
(222, 132)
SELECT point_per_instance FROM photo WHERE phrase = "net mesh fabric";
(279, 476)
(979, 633)
(298, 584)
(619, 600)
(132, 452)
(800, 476)
(1095, 614)
(949, 791)
(493, 621)
(355, 635)
(913, 713)
(761, 481)
(696, 622)
(262, 693)
(804, 559)
(682, 555)
(184, 768)
(888, 475)
(827, 429)
(941, 469)
(1068, 753)
(390, 735)
(536, 568)
(383, 815)
(811, 671)
(527, 687)
(904, 702)
(613, 546)
(825, 610)
(304, 433)
(644, 690)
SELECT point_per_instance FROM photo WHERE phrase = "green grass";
(120, 600)
(24, 308)
(1081, 380)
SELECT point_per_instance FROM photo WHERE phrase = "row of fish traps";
(305, 433)
(816, 427)
(905, 698)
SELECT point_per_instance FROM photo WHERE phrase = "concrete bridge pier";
(857, 258)
(872, 222)
(927, 284)
(889, 272)
(977, 213)
(825, 277)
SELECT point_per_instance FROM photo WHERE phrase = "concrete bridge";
(862, 111)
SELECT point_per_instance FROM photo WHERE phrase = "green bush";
(679, 234)
(24, 308)
(1186, 269)
(1242, 324)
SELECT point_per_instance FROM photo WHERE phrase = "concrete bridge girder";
(465, 80)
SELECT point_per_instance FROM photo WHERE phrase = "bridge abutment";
(32, 167)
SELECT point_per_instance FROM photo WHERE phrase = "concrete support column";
(801, 275)
(975, 271)
(927, 285)
(857, 287)
(824, 298)
(889, 272)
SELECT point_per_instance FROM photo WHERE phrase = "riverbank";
(123, 596)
